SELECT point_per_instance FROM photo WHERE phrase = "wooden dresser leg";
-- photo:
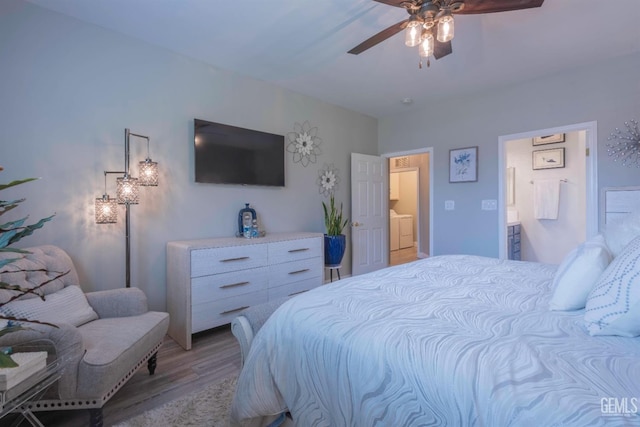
(95, 417)
(151, 363)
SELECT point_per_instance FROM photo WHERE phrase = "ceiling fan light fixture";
(413, 32)
(445, 27)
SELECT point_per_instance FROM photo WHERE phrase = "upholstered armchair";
(101, 338)
(246, 325)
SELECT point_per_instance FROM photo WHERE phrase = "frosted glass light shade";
(106, 210)
(412, 33)
(426, 46)
(148, 173)
(445, 29)
(127, 190)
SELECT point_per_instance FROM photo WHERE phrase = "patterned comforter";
(446, 341)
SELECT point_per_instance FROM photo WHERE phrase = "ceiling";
(302, 45)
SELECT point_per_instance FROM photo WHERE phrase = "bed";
(454, 340)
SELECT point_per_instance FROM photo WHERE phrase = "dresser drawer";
(293, 289)
(215, 313)
(225, 285)
(232, 258)
(292, 250)
(295, 271)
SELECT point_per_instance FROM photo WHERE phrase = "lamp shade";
(106, 210)
(127, 190)
(148, 173)
(426, 45)
(412, 33)
(445, 28)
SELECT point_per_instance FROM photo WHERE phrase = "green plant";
(333, 220)
(10, 233)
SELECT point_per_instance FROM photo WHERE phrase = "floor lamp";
(127, 193)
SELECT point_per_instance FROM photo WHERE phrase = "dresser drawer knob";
(233, 310)
(233, 285)
(298, 250)
(235, 259)
(299, 271)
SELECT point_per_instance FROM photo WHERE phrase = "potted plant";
(10, 233)
(334, 240)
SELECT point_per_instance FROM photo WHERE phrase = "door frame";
(591, 184)
(427, 150)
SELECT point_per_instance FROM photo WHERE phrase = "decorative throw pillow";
(578, 274)
(68, 305)
(618, 234)
(613, 306)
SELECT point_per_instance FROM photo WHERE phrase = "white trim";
(427, 150)
(591, 131)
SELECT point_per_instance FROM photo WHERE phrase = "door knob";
(356, 224)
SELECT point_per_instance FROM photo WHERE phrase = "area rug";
(207, 407)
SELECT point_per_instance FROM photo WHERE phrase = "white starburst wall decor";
(304, 143)
(625, 144)
(328, 180)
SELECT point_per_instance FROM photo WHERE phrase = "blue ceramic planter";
(334, 247)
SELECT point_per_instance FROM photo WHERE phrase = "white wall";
(68, 91)
(607, 92)
(546, 240)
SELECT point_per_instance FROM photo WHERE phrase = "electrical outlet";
(449, 205)
(489, 205)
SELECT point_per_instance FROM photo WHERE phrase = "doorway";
(409, 207)
(533, 226)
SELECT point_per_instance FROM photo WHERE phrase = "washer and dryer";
(401, 230)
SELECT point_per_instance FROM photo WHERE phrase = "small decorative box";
(28, 364)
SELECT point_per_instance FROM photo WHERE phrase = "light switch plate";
(449, 205)
(489, 205)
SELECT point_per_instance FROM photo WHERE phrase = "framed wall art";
(548, 159)
(548, 139)
(463, 164)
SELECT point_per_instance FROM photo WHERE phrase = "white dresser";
(209, 281)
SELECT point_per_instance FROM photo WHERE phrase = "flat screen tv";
(227, 154)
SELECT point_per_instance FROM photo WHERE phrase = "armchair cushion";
(68, 305)
(110, 353)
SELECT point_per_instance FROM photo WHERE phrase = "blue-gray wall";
(67, 92)
(606, 92)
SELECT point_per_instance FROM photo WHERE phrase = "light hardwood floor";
(215, 355)
(402, 256)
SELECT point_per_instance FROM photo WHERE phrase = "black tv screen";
(227, 154)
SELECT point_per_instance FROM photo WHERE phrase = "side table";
(12, 400)
(332, 267)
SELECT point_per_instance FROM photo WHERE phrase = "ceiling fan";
(430, 25)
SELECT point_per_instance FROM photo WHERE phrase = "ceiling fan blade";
(380, 37)
(395, 3)
(472, 7)
(441, 49)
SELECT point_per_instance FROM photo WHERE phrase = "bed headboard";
(616, 202)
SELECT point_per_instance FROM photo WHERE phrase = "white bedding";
(450, 340)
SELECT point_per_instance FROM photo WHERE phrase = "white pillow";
(620, 233)
(613, 306)
(68, 305)
(578, 274)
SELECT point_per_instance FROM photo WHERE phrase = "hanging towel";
(546, 198)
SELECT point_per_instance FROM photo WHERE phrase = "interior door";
(369, 213)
